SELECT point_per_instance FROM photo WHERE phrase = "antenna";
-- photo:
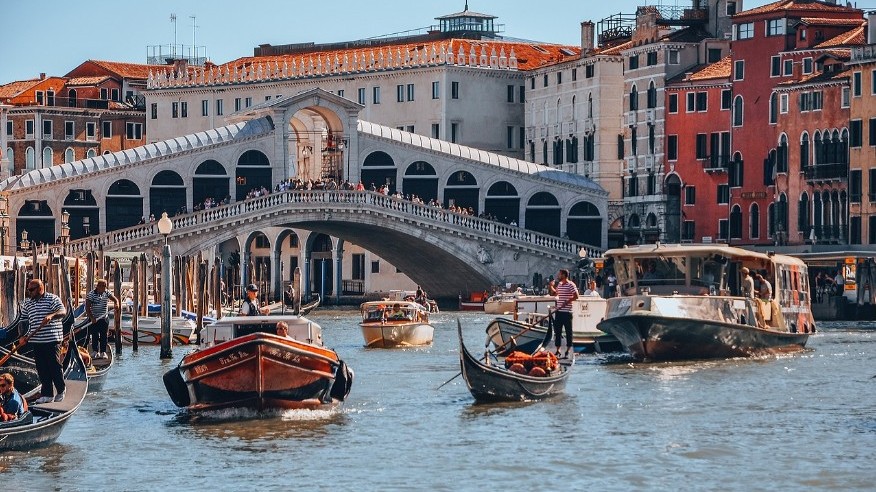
(194, 44)
(173, 20)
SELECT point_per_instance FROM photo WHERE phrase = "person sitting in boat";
(397, 312)
(11, 402)
(592, 290)
(651, 274)
(283, 329)
(250, 306)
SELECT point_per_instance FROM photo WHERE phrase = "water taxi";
(388, 324)
(687, 302)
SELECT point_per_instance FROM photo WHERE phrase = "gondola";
(99, 368)
(493, 383)
(42, 424)
(310, 306)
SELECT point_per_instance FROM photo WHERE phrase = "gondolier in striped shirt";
(96, 309)
(44, 312)
(566, 292)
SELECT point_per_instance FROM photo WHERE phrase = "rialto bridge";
(542, 217)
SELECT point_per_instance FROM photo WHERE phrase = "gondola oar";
(495, 350)
(15, 348)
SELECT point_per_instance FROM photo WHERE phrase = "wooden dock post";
(117, 290)
(135, 308)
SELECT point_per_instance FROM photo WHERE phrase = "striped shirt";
(566, 292)
(36, 310)
(98, 302)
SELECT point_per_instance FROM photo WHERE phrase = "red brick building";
(698, 150)
(768, 43)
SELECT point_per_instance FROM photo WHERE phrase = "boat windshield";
(669, 274)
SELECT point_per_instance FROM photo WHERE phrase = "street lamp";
(65, 230)
(25, 244)
(165, 225)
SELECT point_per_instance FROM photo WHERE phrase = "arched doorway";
(462, 190)
(210, 181)
(503, 203)
(125, 203)
(421, 179)
(84, 213)
(321, 264)
(543, 214)
(378, 169)
(253, 172)
(673, 208)
(584, 224)
(35, 217)
(167, 194)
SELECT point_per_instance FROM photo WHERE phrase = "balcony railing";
(826, 172)
(829, 233)
(716, 163)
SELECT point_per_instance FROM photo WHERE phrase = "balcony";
(863, 54)
(827, 172)
(716, 163)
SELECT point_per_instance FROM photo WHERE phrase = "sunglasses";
(3, 385)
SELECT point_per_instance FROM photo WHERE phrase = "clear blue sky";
(54, 36)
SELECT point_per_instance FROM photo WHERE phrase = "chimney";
(42, 76)
(586, 36)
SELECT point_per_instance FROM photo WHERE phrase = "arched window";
(818, 140)
(91, 153)
(634, 98)
(29, 158)
(774, 108)
(737, 111)
(737, 171)
(652, 95)
(803, 220)
(771, 225)
(782, 155)
(574, 114)
(843, 149)
(544, 152)
(782, 214)
(804, 151)
(754, 221)
(68, 155)
(557, 117)
(590, 105)
(10, 154)
(736, 222)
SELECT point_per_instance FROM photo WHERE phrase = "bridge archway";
(35, 217)
(462, 190)
(167, 194)
(379, 169)
(316, 134)
(543, 214)
(210, 181)
(319, 247)
(503, 202)
(421, 179)
(84, 213)
(584, 223)
(253, 171)
(126, 203)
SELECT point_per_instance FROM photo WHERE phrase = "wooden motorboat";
(242, 362)
(408, 327)
(516, 302)
(149, 330)
(491, 381)
(686, 302)
(42, 424)
(474, 301)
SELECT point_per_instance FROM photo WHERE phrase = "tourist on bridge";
(250, 306)
(96, 303)
(44, 311)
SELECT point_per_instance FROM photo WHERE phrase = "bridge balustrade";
(184, 223)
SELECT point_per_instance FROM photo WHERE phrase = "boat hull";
(490, 383)
(259, 371)
(500, 306)
(471, 306)
(658, 338)
(392, 335)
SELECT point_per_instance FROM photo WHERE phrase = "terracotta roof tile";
(15, 88)
(129, 70)
(529, 55)
(794, 5)
(814, 78)
(854, 37)
(87, 80)
(616, 50)
(824, 21)
(721, 69)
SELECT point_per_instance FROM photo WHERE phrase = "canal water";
(804, 421)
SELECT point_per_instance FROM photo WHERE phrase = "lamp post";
(65, 231)
(25, 243)
(4, 222)
(165, 225)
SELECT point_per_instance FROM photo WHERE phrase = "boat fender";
(343, 382)
(176, 388)
(537, 372)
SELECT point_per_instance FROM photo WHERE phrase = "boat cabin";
(382, 311)
(706, 270)
(230, 327)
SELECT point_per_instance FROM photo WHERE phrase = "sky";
(54, 36)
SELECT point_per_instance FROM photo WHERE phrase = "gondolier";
(566, 292)
(44, 311)
(96, 309)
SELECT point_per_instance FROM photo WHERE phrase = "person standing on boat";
(747, 283)
(766, 289)
(250, 306)
(96, 303)
(566, 292)
(11, 403)
(44, 311)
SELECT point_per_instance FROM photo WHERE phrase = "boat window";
(706, 273)
(373, 314)
(250, 328)
(661, 270)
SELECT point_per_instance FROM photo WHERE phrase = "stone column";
(277, 271)
(339, 269)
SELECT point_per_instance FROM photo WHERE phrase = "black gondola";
(98, 370)
(494, 383)
(310, 306)
(42, 424)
